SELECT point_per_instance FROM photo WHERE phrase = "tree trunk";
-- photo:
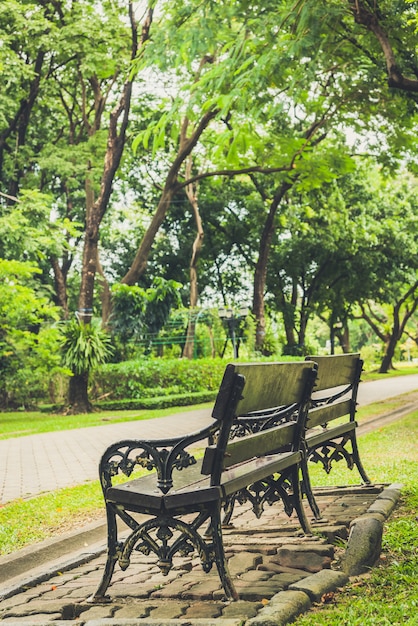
(95, 212)
(344, 339)
(20, 123)
(261, 265)
(170, 188)
(387, 363)
(191, 192)
(139, 263)
(363, 15)
(391, 343)
(304, 318)
(78, 394)
(105, 295)
(60, 281)
(118, 124)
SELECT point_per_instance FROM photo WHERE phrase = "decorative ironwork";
(165, 536)
(263, 420)
(163, 456)
(333, 451)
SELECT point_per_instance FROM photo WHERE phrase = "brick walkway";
(270, 560)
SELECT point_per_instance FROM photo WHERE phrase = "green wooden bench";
(182, 493)
(331, 424)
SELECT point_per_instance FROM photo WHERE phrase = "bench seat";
(190, 491)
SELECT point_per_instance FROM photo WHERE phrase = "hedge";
(155, 378)
(158, 402)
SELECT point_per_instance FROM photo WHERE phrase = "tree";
(191, 192)
(394, 28)
(28, 344)
(389, 322)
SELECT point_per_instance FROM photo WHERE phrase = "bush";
(149, 378)
(157, 402)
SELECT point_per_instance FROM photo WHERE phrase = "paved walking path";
(278, 572)
(45, 462)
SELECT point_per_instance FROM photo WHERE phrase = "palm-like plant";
(85, 347)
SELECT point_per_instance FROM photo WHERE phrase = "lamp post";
(231, 318)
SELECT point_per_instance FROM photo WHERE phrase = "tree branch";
(396, 79)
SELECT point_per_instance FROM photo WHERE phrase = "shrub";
(157, 402)
(149, 377)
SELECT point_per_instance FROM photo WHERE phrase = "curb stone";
(283, 608)
(157, 622)
(364, 546)
(317, 585)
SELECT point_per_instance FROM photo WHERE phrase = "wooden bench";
(334, 398)
(181, 494)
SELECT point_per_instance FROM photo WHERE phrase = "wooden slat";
(259, 444)
(328, 413)
(316, 438)
(335, 370)
(220, 408)
(189, 491)
(272, 384)
(245, 474)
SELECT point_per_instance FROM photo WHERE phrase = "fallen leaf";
(327, 597)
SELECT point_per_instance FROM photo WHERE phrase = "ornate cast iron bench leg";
(112, 557)
(357, 461)
(221, 564)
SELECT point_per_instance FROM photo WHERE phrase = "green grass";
(389, 594)
(402, 369)
(22, 423)
(25, 522)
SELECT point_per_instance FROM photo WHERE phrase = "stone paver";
(271, 567)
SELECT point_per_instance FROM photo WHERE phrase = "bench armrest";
(161, 455)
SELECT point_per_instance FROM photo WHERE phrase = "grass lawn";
(388, 595)
(22, 423)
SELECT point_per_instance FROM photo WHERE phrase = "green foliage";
(139, 313)
(158, 402)
(296, 88)
(28, 342)
(85, 346)
(147, 378)
(26, 231)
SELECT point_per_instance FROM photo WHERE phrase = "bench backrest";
(336, 387)
(267, 387)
